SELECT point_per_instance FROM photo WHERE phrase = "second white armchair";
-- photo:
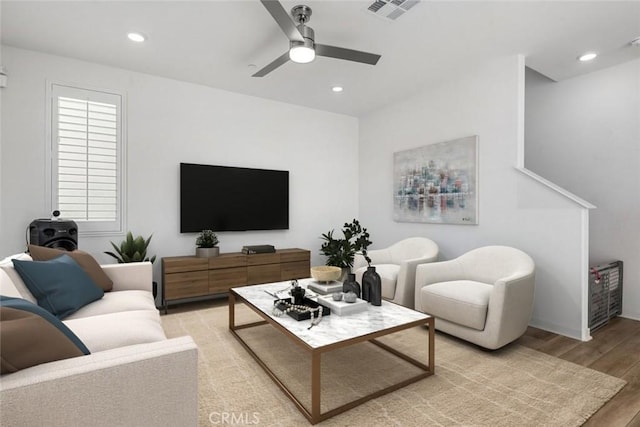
(484, 296)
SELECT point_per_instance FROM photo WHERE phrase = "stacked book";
(258, 249)
(325, 288)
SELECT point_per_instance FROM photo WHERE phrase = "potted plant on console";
(207, 244)
(341, 252)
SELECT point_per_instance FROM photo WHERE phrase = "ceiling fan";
(302, 45)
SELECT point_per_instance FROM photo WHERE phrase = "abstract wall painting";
(437, 183)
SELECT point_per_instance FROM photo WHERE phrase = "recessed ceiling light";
(337, 88)
(136, 37)
(587, 56)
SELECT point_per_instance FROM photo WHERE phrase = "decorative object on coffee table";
(342, 307)
(325, 288)
(341, 252)
(350, 297)
(372, 286)
(350, 285)
(304, 310)
(297, 292)
(207, 244)
(131, 250)
(325, 273)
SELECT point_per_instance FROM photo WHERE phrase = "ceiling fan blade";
(348, 54)
(283, 19)
(273, 65)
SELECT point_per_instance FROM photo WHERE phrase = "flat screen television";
(223, 198)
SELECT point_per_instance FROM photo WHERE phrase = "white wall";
(514, 209)
(171, 122)
(584, 134)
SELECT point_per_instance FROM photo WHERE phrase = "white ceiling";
(213, 42)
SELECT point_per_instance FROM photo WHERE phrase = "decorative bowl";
(326, 273)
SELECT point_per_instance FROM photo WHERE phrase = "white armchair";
(396, 266)
(485, 296)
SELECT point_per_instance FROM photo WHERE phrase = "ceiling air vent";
(391, 9)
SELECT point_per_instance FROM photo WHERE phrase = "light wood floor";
(614, 350)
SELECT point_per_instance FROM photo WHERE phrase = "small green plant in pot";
(131, 250)
(341, 252)
(207, 244)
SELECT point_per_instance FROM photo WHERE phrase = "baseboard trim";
(575, 334)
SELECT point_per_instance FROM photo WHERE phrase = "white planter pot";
(207, 252)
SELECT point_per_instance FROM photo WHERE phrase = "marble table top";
(333, 328)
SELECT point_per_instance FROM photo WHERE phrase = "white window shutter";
(87, 158)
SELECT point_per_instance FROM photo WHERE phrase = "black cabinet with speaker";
(59, 234)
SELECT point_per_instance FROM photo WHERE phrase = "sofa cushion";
(114, 330)
(114, 302)
(60, 285)
(84, 260)
(31, 336)
(464, 302)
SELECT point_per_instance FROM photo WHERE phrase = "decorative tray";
(342, 308)
(302, 316)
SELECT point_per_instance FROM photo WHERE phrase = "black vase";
(372, 286)
(350, 284)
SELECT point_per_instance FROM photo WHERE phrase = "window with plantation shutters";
(87, 157)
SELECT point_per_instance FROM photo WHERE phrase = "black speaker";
(59, 234)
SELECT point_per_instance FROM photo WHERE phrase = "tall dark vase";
(350, 284)
(372, 286)
(366, 287)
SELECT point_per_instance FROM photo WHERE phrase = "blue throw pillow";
(59, 285)
(31, 336)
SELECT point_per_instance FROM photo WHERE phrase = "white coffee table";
(331, 333)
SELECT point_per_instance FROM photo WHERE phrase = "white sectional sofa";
(134, 375)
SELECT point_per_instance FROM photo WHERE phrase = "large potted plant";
(207, 244)
(132, 250)
(340, 252)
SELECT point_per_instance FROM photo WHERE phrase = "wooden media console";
(186, 277)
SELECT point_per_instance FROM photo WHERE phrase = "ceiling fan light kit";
(302, 46)
(301, 53)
